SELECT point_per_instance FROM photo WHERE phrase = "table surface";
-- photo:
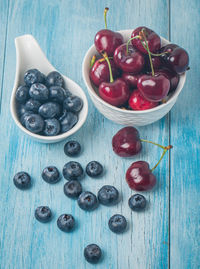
(166, 235)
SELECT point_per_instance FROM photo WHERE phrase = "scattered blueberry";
(43, 214)
(50, 174)
(51, 127)
(49, 110)
(33, 76)
(72, 189)
(32, 105)
(34, 123)
(56, 94)
(22, 180)
(108, 195)
(22, 94)
(137, 202)
(73, 170)
(39, 92)
(24, 117)
(92, 253)
(73, 104)
(72, 148)
(117, 223)
(66, 222)
(68, 122)
(94, 169)
(87, 201)
(54, 79)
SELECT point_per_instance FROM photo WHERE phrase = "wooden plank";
(65, 30)
(185, 136)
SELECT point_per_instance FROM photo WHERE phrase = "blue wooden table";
(166, 235)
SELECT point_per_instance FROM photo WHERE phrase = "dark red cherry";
(177, 59)
(156, 61)
(126, 142)
(131, 79)
(100, 71)
(138, 102)
(153, 88)
(153, 40)
(115, 93)
(140, 177)
(131, 61)
(171, 75)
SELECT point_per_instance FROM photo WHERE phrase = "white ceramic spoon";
(29, 55)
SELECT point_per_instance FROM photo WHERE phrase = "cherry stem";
(92, 61)
(105, 14)
(103, 59)
(109, 66)
(163, 154)
(147, 141)
(128, 42)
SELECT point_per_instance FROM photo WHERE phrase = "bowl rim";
(95, 95)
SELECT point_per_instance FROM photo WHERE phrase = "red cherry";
(132, 62)
(156, 61)
(126, 142)
(153, 88)
(100, 71)
(140, 177)
(131, 79)
(171, 75)
(138, 102)
(153, 40)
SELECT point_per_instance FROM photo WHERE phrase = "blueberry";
(68, 122)
(43, 214)
(72, 189)
(24, 117)
(63, 115)
(50, 174)
(39, 92)
(87, 201)
(66, 222)
(67, 93)
(33, 76)
(51, 127)
(137, 202)
(22, 94)
(92, 253)
(73, 104)
(34, 123)
(73, 170)
(56, 94)
(32, 105)
(21, 109)
(22, 180)
(54, 79)
(72, 148)
(108, 195)
(94, 169)
(117, 223)
(49, 110)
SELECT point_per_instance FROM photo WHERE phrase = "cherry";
(177, 59)
(153, 40)
(138, 102)
(115, 92)
(171, 75)
(154, 88)
(131, 79)
(126, 142)
(100, 71)
(129, 59)
(156, 61)
(107, 40)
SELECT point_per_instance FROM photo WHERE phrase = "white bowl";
(128, 117)
(29, 55)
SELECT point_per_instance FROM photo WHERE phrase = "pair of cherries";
(131, 60)
(127, 143)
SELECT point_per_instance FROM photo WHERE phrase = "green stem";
(147, 141)
(128, 42)
(163, 154)
(105, 14)
(109, 66)
(92, 61)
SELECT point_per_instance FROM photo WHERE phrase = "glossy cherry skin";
(115, 93)
(126, 142)
(100, 71)
(177, 59)
(153, 40)
(107, 41)
(171, 75)
(139, 176)
(156, 61)
(131, 79)
(138, 102)
(154, 88)
(132, 62)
